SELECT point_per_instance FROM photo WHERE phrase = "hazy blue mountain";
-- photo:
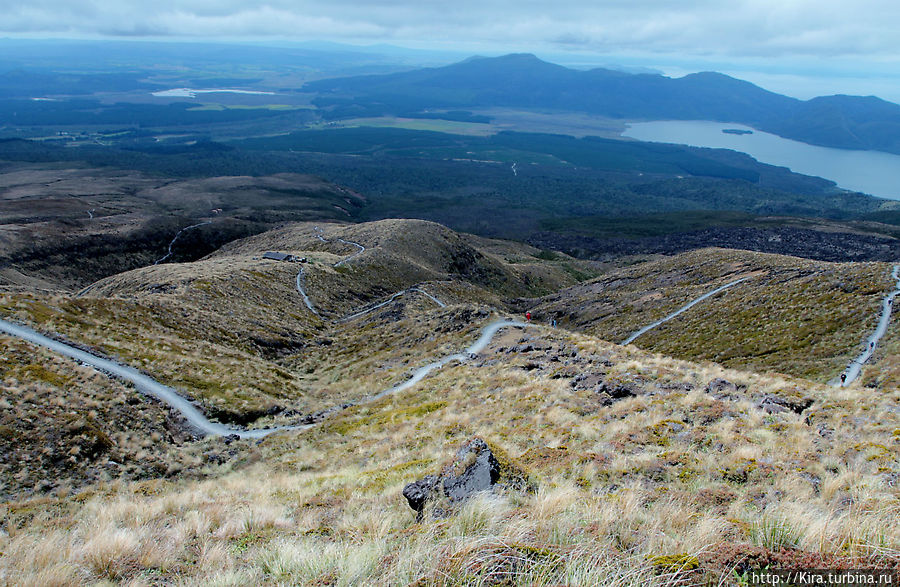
(152, 59)
(524, 81)
(852, 122)
(22, 83)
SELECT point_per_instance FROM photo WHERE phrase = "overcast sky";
(839, 38)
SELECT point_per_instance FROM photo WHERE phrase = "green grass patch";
(41, 373)
(347, 425)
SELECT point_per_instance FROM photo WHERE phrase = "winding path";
(178, 234)
(684, 308)
(301, 278)
(194, 416)
(302, 290)
(853, 369)
(361, 250)
(199, 421)
(487, 333)
(414, 289)
(143, 383)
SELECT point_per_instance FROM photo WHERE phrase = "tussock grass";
(641, 474)
(624, 491)
(794, 316)
(65, 427)
(232, 332)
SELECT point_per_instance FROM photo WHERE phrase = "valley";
(367, 391)
(305, 315)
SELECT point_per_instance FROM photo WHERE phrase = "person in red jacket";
(528, 316)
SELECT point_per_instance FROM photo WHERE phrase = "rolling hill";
(793, 316)
(393, 401)
(221, 328)
(618, 464)
(65, 226)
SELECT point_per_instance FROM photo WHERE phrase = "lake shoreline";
(871, 172)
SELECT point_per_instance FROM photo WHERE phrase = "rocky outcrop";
(474, 469)
(774, 404)
(722, 389)
(608, 390)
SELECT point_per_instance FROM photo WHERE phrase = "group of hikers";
(528, 316)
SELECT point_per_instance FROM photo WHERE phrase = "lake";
(870, 172)
(192, 93)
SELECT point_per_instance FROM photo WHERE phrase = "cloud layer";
(746, 28)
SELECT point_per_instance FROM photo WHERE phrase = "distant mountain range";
(524, 81)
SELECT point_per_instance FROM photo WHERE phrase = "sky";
(791, 43)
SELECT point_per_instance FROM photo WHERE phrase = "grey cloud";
(699, 27)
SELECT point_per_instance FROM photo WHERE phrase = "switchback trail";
(684, 308)
(360, 249)
(197, 419)
(194, 416)
(414, 289)
(301, 289)
(853, 369)
(301, 277)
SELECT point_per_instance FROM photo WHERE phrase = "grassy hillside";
(797, 316)
(670, 482)
(64, 427)
(233, 332)
(624, 466)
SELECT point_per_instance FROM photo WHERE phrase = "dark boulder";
(611, 393)
(771, 405)
(474, 468)
(608, 391)
(419, 492)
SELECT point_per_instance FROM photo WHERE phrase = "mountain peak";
(510, 59)
(522, 57)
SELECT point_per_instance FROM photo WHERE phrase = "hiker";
(528, 316)
(843, 379)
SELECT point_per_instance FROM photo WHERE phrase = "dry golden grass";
(66, 427)
(232, 332)
(669, 474)
(404, 252)
(643, 473)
